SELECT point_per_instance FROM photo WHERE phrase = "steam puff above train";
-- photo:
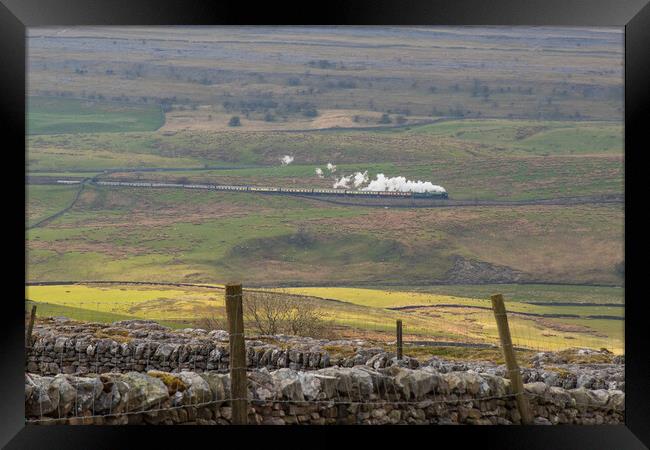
(280, 190)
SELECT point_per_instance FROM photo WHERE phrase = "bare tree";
(306, 320)
(270, 313)
(267, 311)
(213, 323)
(273, 313)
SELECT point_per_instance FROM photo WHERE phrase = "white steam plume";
(357, 179)
(331, 167)
(343, 182)
(401, 184)
(360, 178)
(319, 172)
(286, 160)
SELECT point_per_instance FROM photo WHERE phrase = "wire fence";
(381, 391)
(430, 327)
(328, 403)
(385, 392)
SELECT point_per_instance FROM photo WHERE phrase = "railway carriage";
(68, 181)
(296, 190)
(268, 189)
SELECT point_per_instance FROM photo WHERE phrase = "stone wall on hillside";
(68, 347)
(335, 395)
(82, 348)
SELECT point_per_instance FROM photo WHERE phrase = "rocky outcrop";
(474, 271)
(334, 395)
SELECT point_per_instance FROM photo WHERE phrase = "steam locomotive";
(280, 190)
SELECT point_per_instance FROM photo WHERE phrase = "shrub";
(311, 112)
(271, 313)
(212, 323)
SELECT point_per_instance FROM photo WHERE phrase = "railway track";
(349, 197)
(424, 203)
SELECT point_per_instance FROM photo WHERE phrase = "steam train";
(280, 190)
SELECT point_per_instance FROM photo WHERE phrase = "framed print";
(406, 217)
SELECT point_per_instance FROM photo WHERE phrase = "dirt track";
(61, 212)
(518, 313)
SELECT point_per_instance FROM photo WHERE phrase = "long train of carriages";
(279, 190)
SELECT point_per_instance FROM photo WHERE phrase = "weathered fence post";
(511, 361)
(30, 328)
(238, 388)
(399, 339)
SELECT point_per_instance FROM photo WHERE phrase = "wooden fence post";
(30, 328)
(238, 382)
(511, 361)
(399, 339)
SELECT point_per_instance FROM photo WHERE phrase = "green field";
(536, 293)
(360, 313)
(43, 200)
(587, 159)
(151, 235)
(535, 137)
(51, 115)
(396, 298)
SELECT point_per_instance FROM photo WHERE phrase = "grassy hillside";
(535, 137)
(535, 293)
(43, 200)
(443, 140)
(51, 115)
(134, 234)
(511, 162)
(346, 76)
(395, 298)
(358, 313)
(520, 128)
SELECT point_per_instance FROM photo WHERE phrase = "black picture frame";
(634, 15)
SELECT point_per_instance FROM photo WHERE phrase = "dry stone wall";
(82, 348)
(138, 372)
(550, 371)
(335, 395)
(64, 346)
